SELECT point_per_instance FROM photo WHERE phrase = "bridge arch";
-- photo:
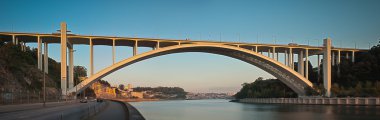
(288, 76)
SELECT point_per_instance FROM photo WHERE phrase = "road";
(108, 110)
(66, 111)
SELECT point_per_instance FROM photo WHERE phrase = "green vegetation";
(164, 92)
(18, 70)
(260, 88)
(358, 79)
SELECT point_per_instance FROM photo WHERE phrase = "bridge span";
(264, 56)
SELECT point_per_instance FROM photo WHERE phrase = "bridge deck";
(152, 42)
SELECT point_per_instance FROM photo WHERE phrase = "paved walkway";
(113, 111)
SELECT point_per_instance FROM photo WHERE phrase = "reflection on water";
(224, 110)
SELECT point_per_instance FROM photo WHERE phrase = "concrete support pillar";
(63, 59)
(327, 66)
(39, 53)
(269, 53)
(338, 63)
(13, 39)
(307, 63)
(256, 47)
(71, 67)
(273, 53)
(158, 45)
(347, 55)
(135, 48)
(291, 58)
(353, 56)
(91, 57)
(300, 63)
(338, 59)
(333, 58)
(113, 51)
(17, 43)
(21, 46)
(277, 56)
(46, 58)
(286, 58)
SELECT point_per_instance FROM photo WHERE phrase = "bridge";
(264, 56)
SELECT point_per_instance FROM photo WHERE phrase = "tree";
(79, 71)
(121, 87)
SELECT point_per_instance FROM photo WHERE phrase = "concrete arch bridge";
(264, 56)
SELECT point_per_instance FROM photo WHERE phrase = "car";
(99, 100)
(83, 101)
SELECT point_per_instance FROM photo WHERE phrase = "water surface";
(224, 110)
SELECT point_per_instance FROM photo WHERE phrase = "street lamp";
(44, 86)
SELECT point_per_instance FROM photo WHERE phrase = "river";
(224, 110)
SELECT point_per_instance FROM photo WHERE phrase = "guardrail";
(83, 113)
(317, 101)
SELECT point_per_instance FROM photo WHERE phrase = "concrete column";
(318, 66)
(353, 56)
(63, 59)
(21, 43)
(277, 56)
(338, 63)
(256, 47)
(300, 63)
(13, 39)
(158, 45)
(135, 48)
(333, 58)
(269, 53)
(347, 55)
(327, 66)
(291, 58)
(286, 58)
(91, 57)
(23, 47)
(71, 67)
(113, 51)
(46, 58)
(307, 63)
(39, 53)
(338, 59)
(273, 52)
(17, 43)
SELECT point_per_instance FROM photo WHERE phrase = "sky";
(349, 23)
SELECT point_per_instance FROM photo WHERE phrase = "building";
(138, 95)
(103, 91)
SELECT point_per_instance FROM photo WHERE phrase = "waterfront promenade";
(316, 101)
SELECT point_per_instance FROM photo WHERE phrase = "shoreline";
(313, 101)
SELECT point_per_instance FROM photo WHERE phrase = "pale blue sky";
(346, 21)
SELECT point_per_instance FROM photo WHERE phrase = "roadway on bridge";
(67, 111)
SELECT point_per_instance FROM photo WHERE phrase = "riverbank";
(136, 100)
(315, 101)
(131, 112)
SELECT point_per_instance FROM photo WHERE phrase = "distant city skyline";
(349, 23)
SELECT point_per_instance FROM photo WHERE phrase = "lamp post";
(44, 100)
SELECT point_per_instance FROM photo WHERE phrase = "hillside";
(19, 72)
